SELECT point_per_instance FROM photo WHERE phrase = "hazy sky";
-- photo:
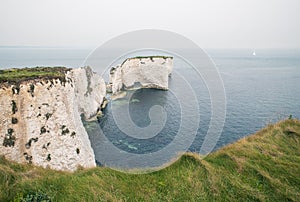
(211, 23)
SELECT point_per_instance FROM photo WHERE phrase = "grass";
(151, 56)
(24, 74)
(145, 57)
(262, 167)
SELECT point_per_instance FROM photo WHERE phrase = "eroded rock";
(141, 72)
(33, 113)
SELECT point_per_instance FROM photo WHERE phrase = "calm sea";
(259, 90)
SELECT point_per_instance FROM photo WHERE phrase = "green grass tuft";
(25, 74)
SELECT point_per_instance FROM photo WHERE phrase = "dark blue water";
(259, 89)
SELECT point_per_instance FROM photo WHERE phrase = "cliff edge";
(40, 117)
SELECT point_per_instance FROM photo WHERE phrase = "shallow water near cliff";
(259, 90)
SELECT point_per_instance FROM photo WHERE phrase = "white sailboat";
(254, 54)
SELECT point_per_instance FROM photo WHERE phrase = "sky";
(210, 23)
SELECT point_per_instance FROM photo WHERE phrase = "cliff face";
(40, 120)
(141, 72)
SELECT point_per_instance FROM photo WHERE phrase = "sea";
(260, 89)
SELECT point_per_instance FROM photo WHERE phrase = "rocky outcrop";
(41, 123)
(141, 72)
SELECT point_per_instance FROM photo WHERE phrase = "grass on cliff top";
(262, 167)
(23, 74)
(150, 56)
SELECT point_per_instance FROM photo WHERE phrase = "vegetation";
(261, 167)
(151, 56)
(145, 57)
(25, 74)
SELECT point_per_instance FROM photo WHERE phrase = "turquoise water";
(259, 90)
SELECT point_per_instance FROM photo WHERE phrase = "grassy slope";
(24, 74)
(264, 166)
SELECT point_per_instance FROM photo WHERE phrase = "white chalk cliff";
(41, 124)
(141, 72)
(40, 119)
